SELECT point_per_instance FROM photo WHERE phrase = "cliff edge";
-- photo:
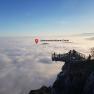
(74, 78)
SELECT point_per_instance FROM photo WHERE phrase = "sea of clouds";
(25, 65)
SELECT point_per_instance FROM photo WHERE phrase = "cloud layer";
(25, 65)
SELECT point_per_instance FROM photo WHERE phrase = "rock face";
(75, 78)
(42, 90)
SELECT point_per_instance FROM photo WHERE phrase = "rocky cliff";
(42, 90)
(74, 78)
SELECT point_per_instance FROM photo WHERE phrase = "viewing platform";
(71, 57)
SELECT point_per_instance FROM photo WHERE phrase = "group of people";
(71, 56)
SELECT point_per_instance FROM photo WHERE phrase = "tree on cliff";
(92, 52)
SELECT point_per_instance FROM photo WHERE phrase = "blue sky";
(33, 17)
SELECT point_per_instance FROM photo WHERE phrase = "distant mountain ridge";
(91, 38)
